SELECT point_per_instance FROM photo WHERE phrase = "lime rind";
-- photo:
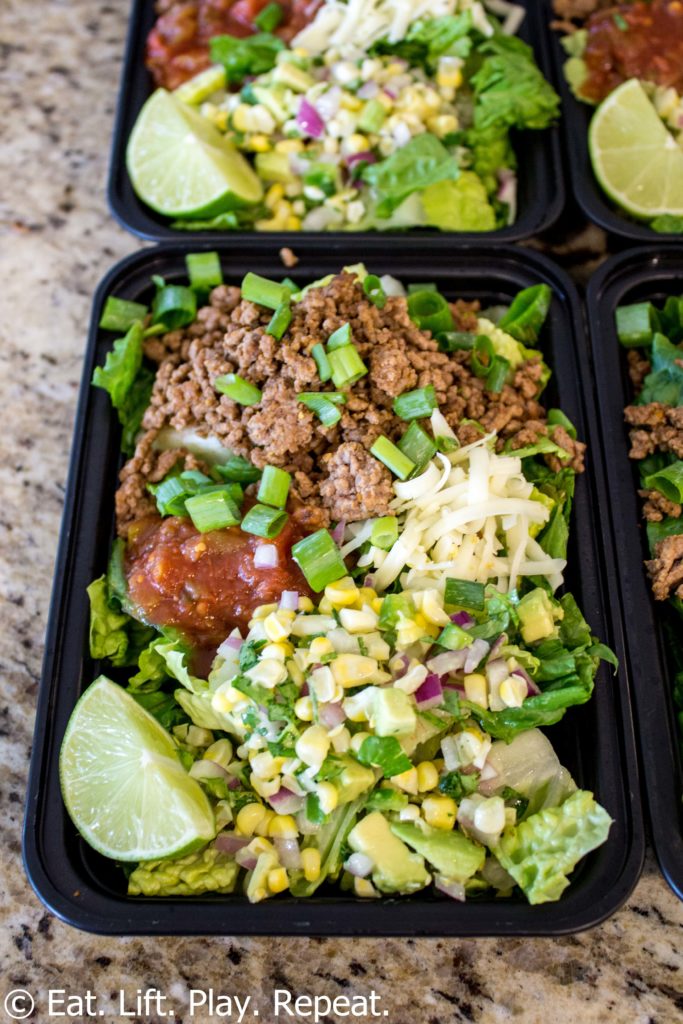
(635, 158)
(123, 784)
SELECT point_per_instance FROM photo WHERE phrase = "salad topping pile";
(301, 697)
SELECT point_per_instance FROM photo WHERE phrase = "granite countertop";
(59, 67)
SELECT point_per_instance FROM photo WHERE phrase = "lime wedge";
(123, 785)
(182, 166)
(635, 158)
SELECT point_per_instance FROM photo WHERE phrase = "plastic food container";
(594, 741)
(576, 118)
(541, 185)
(634, 276)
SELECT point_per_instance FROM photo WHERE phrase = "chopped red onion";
(507, 192)
(369, 581)
(231, 643)
(309, 120)
(331, 715)
(359, 865)
(338, 532)
(285, 802)
(289, 853)
(368, 90)
(390, 93)
(449, 661)
(430, 693)
(532, 689)
(488, 772)
(234, 783)
(229, 842)
(456, 890)
(246, 859)
(365, 157)
(329, 102)
(399, 673)
(498, 644)
(289, 600)
(304, 691)
(475, 653)
(462, 619)
(266, 556)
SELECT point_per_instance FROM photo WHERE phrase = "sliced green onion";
(319, 559)
(237, 388)
(322, 362)
(170, 496)
(430, 311)
(428, 286)
(384, 532)
(498, 374)
(446, 444)
(417, 445)
(318, 402)
(263, 521)
(392, 457)
(455, 341)
(292, 286)
(238, 469)
(264, 292)
(280, 321)
(346, 365)
(214, 510)
(482, 356)
(372, 286)
(393, 607)
(274, 487)
(465, 594)
(120, 314)
(269, 18)
(416, 405)
(669, 482)
(204, 269)
(339, 338)
(527, 314)
(636, 324)
(454, 638)
(154, 330)
(174, 305)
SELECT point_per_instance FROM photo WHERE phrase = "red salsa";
(205, 584)
(178, 45)
(638, 40)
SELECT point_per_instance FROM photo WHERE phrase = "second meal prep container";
(595, 741)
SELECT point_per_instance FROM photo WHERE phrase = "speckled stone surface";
(59, 65)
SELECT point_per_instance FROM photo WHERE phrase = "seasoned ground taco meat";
(657, 507)
(659, 427)
(331, 466)
(666, 568)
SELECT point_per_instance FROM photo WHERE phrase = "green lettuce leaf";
(253, 55)
(108, 626)
(529, 766)
(384, 752)
(127, 382)
(163, 706)
(208, 870)
(460, 205)
(668, 527)
(427, 39)
(491, 150)
(668, 481)
(667, 224)
(509, 88)
(665, 382)
(419, 164)
(541, 851)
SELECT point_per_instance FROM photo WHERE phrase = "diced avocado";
(392, 713)
(256, 883)
(274, 99)
(293, 77)
(535, 616)
(274, 167)
(208, 870)
(354, 779)
(452, 854)
(396, 868)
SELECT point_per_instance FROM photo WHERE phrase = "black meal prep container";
(576, 118)
(595, 741)
(634, 276)
(541, 184)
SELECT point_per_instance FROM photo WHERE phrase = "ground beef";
(638, 368)
(666, 568)
(657, 507)
(356, 485)
(578, 9)
(659, 427)
(330, 466)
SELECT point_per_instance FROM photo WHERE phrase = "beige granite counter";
(59, 64)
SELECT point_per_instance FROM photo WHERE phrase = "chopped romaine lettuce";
(422, 162)
(665, 382)
(509, 88)
(530, 766)
(460, 205)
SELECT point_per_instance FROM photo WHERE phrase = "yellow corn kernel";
(283, 209)
(273, 196)
(264, 824)
(240, 117)
(364, 888)
(305, 604)
(407, 781)
(313, 745)
(248, 818)
(443, 124)
(279, 651)
(283, 826)
(327, 796)
(303, 709)
(440, 812)
(385, 100)
(320, 648)
(293, 223)
(289, 146)
(276, 627)
(258, 144)
(295, 672)
(432, 609)
(427, 776)
(310, 862)
(476, 689)
(395, 68)
(277, 880)
(226, 697)
(325, 607)
(260, 845)
(356, 621)
(350, 102)
(376, 604)
(366, 595)
(268, 672)
(263, 610)
(353, 669)
(450, 78)
(343, 593)
(265, 787)
(357, 741)
(263, 765)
